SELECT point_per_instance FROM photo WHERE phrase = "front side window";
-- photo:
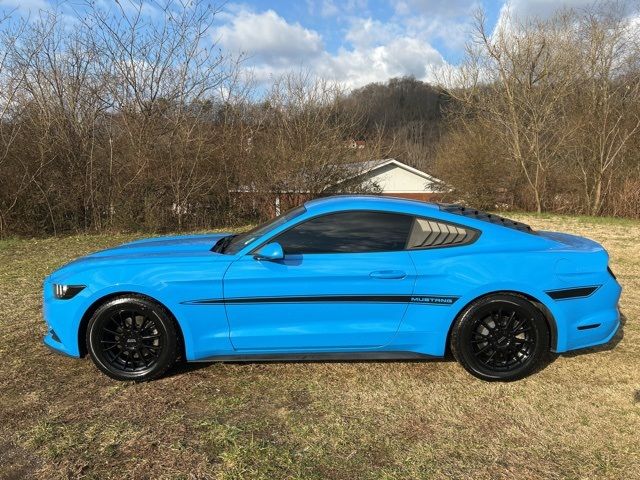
(238, 242)
(348, 232)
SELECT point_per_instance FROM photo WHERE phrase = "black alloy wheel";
(132, 338)
(500, 337)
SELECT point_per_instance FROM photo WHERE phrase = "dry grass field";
(579, 417)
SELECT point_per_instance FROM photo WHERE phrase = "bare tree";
(515, 81)
(163, 79)
(12, 75)
(132, 118)
(559, 97)
(300, 141)
(606, 96)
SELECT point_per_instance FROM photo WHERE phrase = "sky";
(353, 42)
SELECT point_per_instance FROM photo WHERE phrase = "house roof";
(361, 168)
(358, 169)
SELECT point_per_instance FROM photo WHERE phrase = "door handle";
(388, 274)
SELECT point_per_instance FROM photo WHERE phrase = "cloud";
(401, 56)
(37, 10)
(269, 38)
(544, 9)
(336, 8)
(357, 67)
(26, 6)
(373, 50)
(440, 8)
(540, 8)
(515, 11)
(447, 21)
(329, 8)
(364, 32)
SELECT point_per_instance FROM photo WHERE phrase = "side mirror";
(270, 251)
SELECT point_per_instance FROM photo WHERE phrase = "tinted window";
(348, 232)
(244, 239)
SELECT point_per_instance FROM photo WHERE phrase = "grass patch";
(7, 243)
(582, 219)
(60, 418)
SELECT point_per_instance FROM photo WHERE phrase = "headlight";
(65, 292)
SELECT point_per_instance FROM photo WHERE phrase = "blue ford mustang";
(339, 277)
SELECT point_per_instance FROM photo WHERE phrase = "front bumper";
(63, 319)
(55, 346)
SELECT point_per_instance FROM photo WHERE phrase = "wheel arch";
(84, 321)
(542, 308)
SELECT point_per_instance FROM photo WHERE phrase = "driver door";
(344, 284)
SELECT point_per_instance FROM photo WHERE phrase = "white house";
(384, 177)
(394, 178)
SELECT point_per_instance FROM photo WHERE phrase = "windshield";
(235, 243)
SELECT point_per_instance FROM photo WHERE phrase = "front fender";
(204, 328)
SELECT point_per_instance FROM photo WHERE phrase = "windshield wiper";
(223, 243)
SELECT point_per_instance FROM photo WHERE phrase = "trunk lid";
(572, 242)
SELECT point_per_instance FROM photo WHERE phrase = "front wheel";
(132, 338)
(500, 337)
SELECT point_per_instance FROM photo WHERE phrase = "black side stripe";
(567, 293)
(444, 300)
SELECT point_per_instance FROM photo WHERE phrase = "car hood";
(179, 249)
(163, 246)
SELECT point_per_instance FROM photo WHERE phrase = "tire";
(132, 338)
(501, 337)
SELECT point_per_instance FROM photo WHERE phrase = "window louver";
(429, 233)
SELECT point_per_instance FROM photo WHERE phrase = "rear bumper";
(590, 321)
(597, 333)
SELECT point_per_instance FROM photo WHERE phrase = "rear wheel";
(500, 337)
(132, 338)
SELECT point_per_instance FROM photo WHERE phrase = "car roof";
(451, 213)
(368, 202)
